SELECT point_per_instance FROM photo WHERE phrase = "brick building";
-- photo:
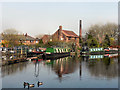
(23, 39)
(28, 40)
(65, 35)
(46, 38)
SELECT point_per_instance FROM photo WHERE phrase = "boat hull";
(33, 54)
(55, 55)
(97, 53)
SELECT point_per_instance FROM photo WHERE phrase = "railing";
(13, 56)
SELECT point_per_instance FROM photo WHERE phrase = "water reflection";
(65, 69)
(119, 70)
(13, 68)
(37, 69)
(106, 67)
(63, 66)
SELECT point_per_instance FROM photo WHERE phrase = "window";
(75, 38)
(50, 39)
(69, 38)
(61, 38)
(36, 41)
(31, 41)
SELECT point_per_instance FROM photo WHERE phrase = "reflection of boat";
(95, 56)
(93, 51)
(52, 53)
(48, 62)
(111, 55)
(87, 57)
(99, 56)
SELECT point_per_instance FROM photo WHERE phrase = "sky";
(45, 17)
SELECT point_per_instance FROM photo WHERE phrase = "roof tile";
(69, 33)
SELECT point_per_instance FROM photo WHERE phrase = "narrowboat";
(54, 53)
(34, 52)
(87, 51)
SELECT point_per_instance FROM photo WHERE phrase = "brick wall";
(55, 36)
(45, 38)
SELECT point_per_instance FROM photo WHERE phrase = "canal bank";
(23, 54)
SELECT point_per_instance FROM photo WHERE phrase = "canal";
(68, 72)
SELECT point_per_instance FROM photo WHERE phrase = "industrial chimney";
(60, 32)
(80, 31)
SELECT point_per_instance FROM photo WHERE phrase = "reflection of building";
(64, 66)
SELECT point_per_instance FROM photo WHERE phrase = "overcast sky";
(45, 17)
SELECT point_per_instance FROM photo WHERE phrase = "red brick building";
(23, 39)
(46, 38)
(28, 40)
(65, 35)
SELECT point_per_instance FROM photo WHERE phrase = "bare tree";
(99, 31)
(10, 37)
(39, 36)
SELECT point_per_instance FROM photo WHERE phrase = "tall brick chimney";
(80, 31)
(60, 32)
(60, 27)
(26, 34)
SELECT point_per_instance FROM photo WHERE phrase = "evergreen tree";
(106, 41)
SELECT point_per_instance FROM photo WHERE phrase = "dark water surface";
(68, 72)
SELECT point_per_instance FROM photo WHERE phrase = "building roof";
(22, 37)
(48, 36)
(26, 37)
(69, 33)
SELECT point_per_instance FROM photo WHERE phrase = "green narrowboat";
(92, 51)
(53, 53)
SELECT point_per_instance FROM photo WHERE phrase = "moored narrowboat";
(34, 52)
(87, 51)
(52, 53)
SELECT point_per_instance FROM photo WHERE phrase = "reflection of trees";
(13, 68)
(119, 64)
(103, 68)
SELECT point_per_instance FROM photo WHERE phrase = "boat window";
(56, 50)
(62, 50)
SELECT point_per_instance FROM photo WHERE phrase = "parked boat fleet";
(33, 53)
(53, 53)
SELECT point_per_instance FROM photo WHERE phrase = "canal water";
(68, 72)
